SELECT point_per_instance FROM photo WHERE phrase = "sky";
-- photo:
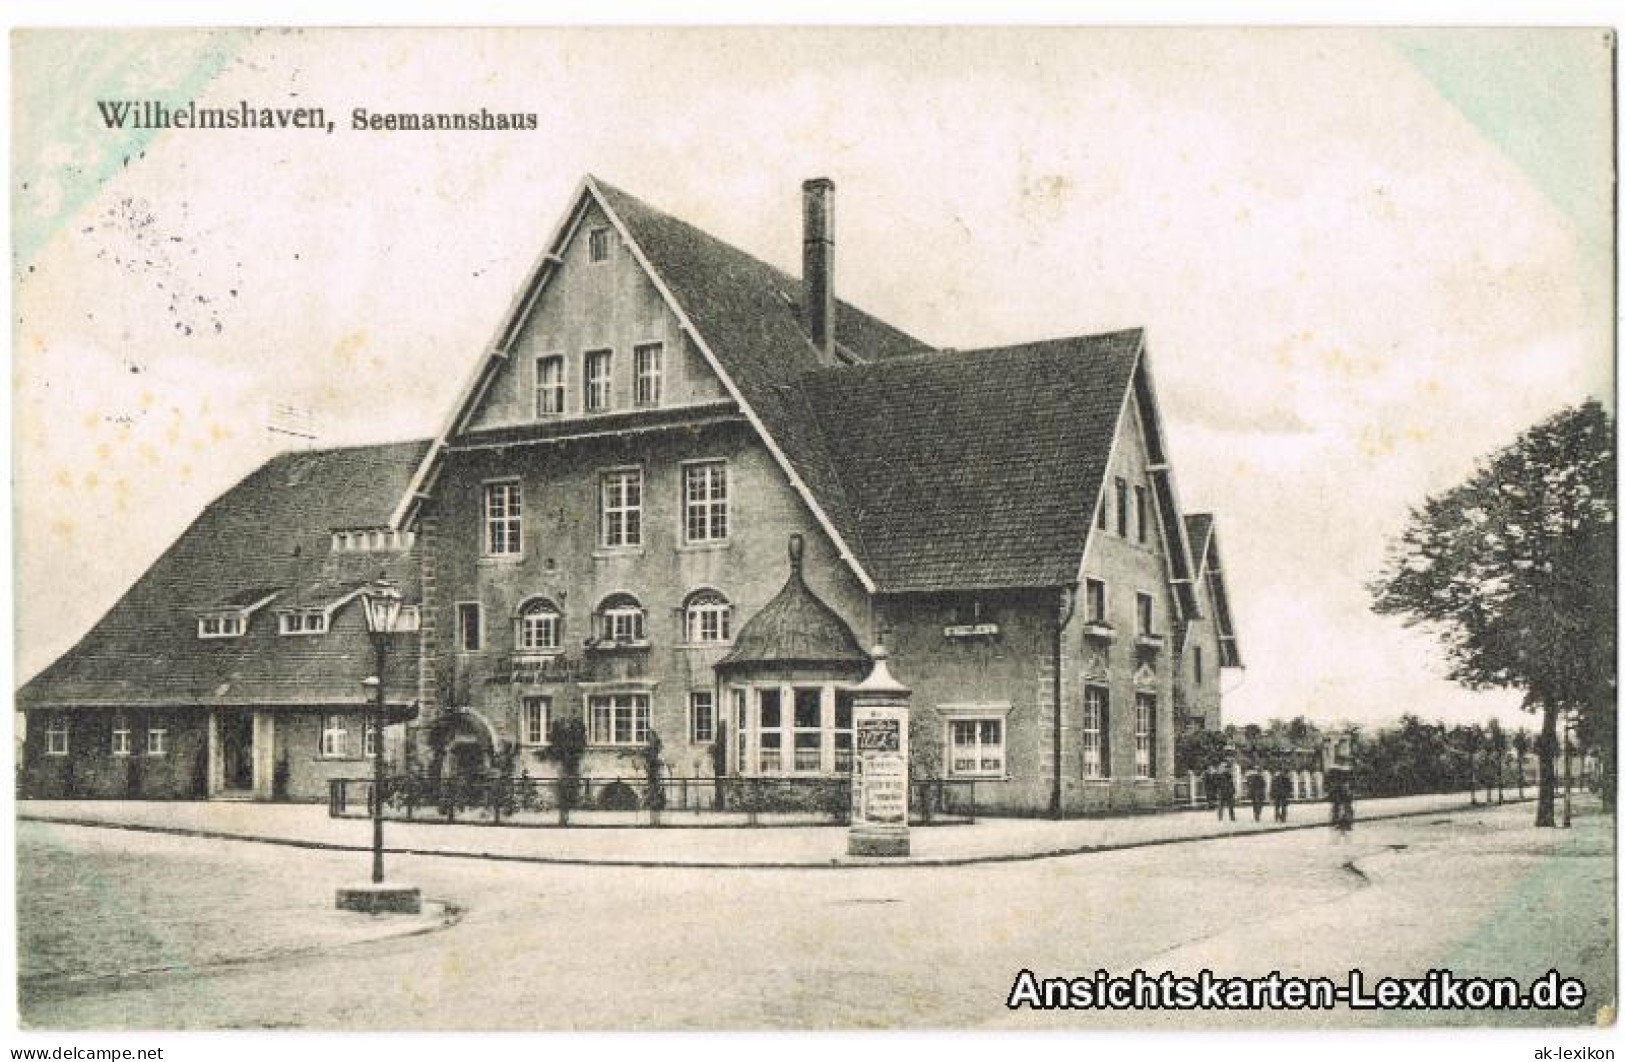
(1362, 259)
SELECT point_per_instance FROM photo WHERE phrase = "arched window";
(621, 619)
(540, 626)
(707, 617)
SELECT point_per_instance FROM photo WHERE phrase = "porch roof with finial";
(795, 628)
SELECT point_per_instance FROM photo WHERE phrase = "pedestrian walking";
(1224, 790)
(1280, 792)
(1255, 791)
(1340, 791)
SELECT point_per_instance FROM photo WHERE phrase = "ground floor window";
(618, 719)
(121, 737)
(1096, 710)
(535, 719)
(793, 729)
(702, 728)
(333, 736)
(369, 740)
(975, 748)
(1145, 735)
(157, 741)
(56, 736)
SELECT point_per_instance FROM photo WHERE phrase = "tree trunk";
(1546, 756)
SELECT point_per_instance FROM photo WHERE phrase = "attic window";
(220, 625)
(598, 245)
(373, 540)
(304, 621)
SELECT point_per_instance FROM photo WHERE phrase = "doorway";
(237, 751)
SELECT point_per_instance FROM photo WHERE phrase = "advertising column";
(879, 764)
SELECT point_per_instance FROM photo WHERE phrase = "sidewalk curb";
(672, 864)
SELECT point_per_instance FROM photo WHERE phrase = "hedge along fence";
(497, 799)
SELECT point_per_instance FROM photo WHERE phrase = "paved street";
(811, 846)
(623, 947)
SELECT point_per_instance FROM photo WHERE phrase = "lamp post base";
(877, 841)
(380, 899)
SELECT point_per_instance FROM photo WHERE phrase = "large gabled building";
(683, 493)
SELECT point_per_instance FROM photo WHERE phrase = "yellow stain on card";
(63, 528)
(346, 349)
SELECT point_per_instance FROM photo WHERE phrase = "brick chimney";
(818, 263)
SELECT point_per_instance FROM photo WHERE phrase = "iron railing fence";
(481, 799)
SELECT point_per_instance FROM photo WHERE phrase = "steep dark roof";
(271, 530)
(795, 628)
(1197, 527)
(977, 469)
(1205, 555)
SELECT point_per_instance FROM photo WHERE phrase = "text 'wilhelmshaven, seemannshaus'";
(154, 114)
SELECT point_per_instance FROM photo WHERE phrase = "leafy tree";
(1198, 751)
(566, 746)
(1521, 744)
(1513, 572)
(1470, 739)
(653, 768)
(1496, 738)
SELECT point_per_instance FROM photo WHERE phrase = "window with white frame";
(333, 736)
(504, 509)
(621, 521)
(1142, 515)
(646, 374)
(470, 628)
(1120, 488)
(976, 747)
(1096, 717)
(535, 719)
(121, 736)
(705, 502)
(369, 740)
(769, 731)
(157, 741)
(707, 617)
(702, 717)
(308, 621)
(809, 729)
(599, 363)
(741, 750)
(56, 736)
(540, 627)
(1145, 735)
(221, 625)
(598, 245)
(621, 619)
(549, 386)
(843, 731)
(618, 718)
(1145, 612)
(1094, 601)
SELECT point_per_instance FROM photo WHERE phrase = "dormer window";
(598, 245)
(302, 621)
(221, 625)
(621, 620)
(373, 540)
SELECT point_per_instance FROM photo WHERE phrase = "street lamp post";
(381, 604)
